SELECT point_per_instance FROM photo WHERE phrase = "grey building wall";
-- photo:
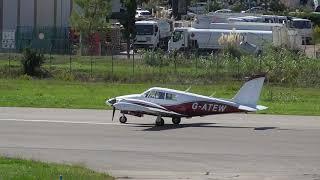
(116, 5)
(45, 13)
(1, 16)
(63, 12)
(32, 13)
(9, 14)
(27, 13)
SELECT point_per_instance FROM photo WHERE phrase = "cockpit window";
(146, 94)
(152, 94)
(160, 95)
(171, 96)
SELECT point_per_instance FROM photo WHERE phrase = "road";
(237, 146)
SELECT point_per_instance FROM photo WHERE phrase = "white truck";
(208, 39)
(207, 24)
(152, 34)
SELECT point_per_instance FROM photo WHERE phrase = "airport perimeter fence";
(157, 67)
(66, 60)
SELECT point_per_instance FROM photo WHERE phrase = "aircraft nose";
(111, 101)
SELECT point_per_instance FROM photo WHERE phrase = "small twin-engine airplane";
(163, 102)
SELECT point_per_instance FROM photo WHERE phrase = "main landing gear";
(176, 120)
(159, 121)
(123, 119)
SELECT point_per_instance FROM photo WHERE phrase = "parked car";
(255, 10)
(143, 14)
(198, 8)
(223, 11)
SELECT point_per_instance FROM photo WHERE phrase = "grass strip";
(90, 95)
(16, 169)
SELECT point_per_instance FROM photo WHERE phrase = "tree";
(89, 16)
(128, 21)
(276, 6)
(214, 5)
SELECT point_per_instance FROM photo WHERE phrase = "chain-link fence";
(156, 67)
(70, 57)
(52, 40)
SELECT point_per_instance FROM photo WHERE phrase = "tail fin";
(249, 93)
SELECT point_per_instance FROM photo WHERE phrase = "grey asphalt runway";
(235, 146)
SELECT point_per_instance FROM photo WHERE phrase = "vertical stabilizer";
(249, 93)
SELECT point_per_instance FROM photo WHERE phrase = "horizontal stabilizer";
(247, 108)
(260, 108)
(250, 109)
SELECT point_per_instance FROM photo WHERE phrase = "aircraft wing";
(164, 112)
(144, 107)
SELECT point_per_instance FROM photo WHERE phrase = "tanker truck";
(184, 39)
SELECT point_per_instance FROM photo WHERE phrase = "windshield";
(145, 13)
(144, 29)
(146, 94)
(301, 24)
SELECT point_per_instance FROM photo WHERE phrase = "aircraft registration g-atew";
(163, 102)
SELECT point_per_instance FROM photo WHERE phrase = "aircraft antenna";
(213, 94)
(187, 90)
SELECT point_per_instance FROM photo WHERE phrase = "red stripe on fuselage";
(202, 108)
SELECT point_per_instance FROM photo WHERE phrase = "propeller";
(111, 102)
(114, 110)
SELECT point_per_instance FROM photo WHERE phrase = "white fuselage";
(178, 102)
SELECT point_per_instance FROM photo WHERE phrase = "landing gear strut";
(176, 120)
(159, 121)
(123, 119)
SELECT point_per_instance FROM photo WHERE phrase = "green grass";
(16, 169)
(90, 95)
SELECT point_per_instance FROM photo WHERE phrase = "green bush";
(283, 67)
(155, 58)
(316, 34)
(293, 68)
(31, 62)
(238, 6)
(214, 5)
(277, 6)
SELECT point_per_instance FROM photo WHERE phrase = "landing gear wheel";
(123, 119)
(159, 121)
(176, 120)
